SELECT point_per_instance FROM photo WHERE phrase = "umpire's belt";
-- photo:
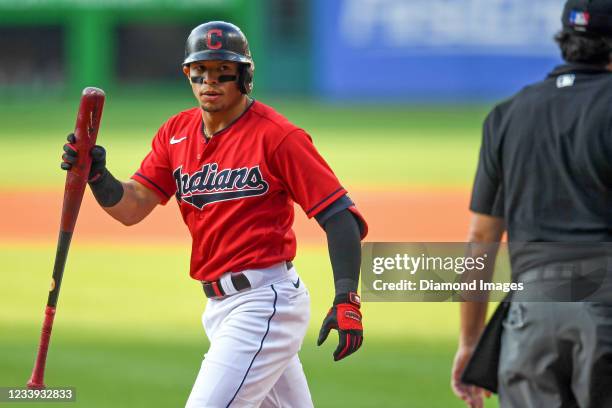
(238, 281)
(594, 268)
(584, 280)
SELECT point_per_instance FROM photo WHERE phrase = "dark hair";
(582, 48)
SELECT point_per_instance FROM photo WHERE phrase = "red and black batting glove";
(98, 156)
(345, 317)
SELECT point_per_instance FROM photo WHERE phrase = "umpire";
(545, 176)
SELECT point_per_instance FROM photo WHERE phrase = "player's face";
(215, 93)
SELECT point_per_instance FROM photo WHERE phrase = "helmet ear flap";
(245, 78)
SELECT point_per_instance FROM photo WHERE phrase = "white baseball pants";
(255, 336)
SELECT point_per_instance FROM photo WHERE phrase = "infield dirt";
(393, 216)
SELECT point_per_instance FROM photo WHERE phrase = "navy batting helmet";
(221, 41)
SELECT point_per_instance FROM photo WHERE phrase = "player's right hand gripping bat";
(86, 132)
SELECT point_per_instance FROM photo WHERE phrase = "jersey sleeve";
(488, 192)
(341, 204)
(155, 171)
(307, 177)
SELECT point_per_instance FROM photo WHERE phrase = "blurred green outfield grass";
(372, 146)
(128, 330)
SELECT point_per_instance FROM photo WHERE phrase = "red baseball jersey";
(236, 190)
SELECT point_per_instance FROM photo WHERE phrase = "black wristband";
(107, 190)
(350, 297)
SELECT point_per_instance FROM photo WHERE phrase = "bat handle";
(36, 381)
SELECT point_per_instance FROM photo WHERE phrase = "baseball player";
(544, 176)
(235, 167)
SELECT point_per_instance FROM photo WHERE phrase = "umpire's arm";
(484, 229)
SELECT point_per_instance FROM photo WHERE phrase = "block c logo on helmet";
(217, 41)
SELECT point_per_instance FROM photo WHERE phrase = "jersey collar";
(577, 68)
(232, 123)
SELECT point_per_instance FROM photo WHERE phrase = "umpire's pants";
(556, 355)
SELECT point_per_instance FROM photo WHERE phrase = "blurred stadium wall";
(59, 45)
(432, 50)
(357, 50)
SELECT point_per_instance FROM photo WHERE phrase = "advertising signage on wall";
(101, 4)
(432, 49)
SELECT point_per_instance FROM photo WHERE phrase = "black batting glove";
(98, 156)
(345, 317)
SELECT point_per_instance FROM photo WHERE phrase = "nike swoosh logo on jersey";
(175, 141)
(296, 284)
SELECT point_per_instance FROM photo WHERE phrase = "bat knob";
(92, 90)
(35, 384)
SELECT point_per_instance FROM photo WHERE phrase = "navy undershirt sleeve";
(344, 245)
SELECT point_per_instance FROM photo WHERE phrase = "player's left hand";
(345, 317)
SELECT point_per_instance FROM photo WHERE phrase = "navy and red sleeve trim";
(341, 204)
(321, 205)
(156, 188)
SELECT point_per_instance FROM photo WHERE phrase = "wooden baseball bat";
(86, 132)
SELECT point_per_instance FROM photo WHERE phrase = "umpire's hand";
(345, 317)
(98, 158)
(472, 395)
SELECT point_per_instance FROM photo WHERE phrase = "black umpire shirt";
(546, 166)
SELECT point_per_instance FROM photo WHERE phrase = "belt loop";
(215, 286)
(227, 283)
